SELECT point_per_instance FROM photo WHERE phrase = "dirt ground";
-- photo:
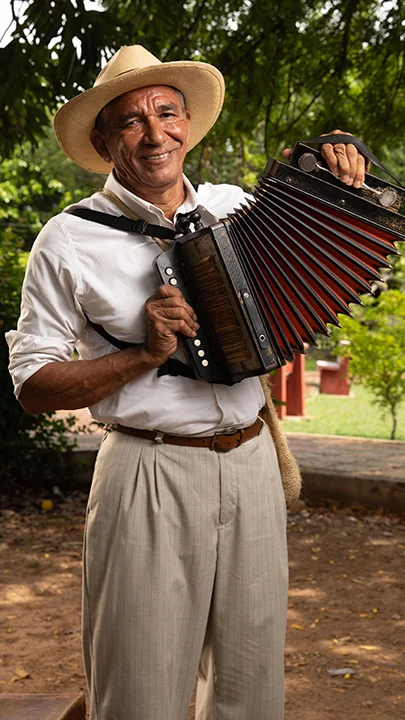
(346, 610)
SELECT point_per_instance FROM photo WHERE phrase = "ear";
(99, 144)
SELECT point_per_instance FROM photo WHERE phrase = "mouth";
(157, 157)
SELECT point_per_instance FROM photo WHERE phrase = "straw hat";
(133, 67)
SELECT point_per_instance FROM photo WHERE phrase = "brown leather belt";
(218, 442)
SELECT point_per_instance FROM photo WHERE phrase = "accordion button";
(197, 342)
(201, 353)
(204, 363)
(169, 271)
(173, 281)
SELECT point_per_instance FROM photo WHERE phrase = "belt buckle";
(215, 440)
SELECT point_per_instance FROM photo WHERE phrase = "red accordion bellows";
(305, 260)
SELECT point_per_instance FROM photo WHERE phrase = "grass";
(341, 415)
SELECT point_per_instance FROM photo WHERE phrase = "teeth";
(156, 157)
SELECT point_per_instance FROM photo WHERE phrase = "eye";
(133, 122)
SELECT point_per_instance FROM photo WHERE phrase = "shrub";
(377, 350)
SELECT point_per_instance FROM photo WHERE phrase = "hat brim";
(201, 84)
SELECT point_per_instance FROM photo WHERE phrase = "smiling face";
(145, 134)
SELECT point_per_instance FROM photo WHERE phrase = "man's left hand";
(344, 161)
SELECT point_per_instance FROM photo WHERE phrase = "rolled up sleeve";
(51, 317)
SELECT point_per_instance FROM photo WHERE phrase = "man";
(185, 563)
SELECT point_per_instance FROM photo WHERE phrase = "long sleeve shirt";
(79, 268)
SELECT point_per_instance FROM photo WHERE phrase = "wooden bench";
(42, 707)
(334, 376)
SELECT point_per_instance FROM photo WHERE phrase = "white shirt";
(76, 267)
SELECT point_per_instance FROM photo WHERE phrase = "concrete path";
(358, 471)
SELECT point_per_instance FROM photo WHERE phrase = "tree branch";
(186, 34)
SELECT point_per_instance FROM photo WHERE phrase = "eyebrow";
(135, 114)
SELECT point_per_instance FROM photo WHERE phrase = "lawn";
(340, 415)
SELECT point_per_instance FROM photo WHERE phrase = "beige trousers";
(185, 571)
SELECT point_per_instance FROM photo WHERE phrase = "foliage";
(28, 197)
(30, 193)
(353, 415)
(377, 350)
(293, 68)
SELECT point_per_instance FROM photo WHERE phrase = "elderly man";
(185, 563)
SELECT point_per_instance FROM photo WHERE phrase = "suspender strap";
(175, 367)
(120, 344)
(122, 222)
(172, 366)
(358, 143)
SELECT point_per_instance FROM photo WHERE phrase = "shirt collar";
(147, 211)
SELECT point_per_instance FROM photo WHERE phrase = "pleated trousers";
(185, 573)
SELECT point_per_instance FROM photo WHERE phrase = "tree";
(29, 195)
(292, 69)
(377, 350)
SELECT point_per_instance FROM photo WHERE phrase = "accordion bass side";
(267, 278)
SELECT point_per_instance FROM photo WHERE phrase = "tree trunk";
(394, 424)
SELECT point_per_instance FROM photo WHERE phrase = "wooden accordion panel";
(265, 280)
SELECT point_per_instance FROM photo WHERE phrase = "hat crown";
(129, 57)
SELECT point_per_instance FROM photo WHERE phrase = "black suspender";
(172, 366)
(122, 222)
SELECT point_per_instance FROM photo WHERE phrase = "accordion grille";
(216, 304)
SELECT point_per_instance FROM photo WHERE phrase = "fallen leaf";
(47, 505)
(297, 627)
(20, 674)
(369, 647)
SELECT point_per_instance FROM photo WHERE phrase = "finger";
(165, 291)
(157, 306)
(360, 172)
(173, 327)
(337, 132)
(351, 155)
(329, 155)
(343, 164)
(173, 313)
(335, 156)
(286, 153)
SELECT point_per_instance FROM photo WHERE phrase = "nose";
(154, 133)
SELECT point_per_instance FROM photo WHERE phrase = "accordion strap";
(122, 222)
(358, 143)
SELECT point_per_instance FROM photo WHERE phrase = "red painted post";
(296, 387)
(288, 386)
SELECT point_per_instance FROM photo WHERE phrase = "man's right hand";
(167, 314)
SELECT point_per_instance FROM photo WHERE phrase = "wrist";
(148, 359)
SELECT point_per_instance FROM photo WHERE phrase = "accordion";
(267, 278)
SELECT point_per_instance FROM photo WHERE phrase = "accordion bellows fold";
(305, 261)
